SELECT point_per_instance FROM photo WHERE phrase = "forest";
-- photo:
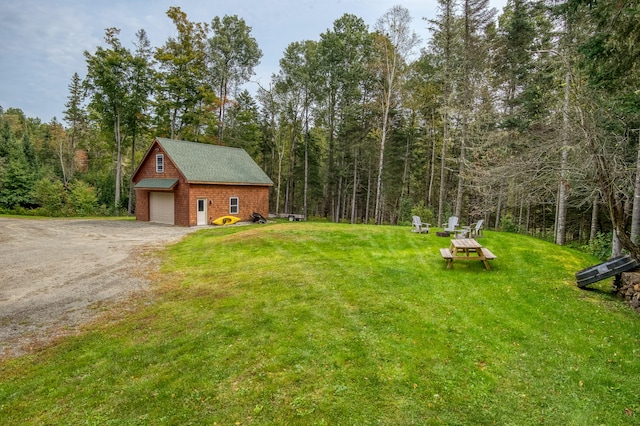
(528, 118)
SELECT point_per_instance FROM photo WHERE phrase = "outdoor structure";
(189, 183)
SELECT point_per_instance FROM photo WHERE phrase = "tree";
(243, 124)
(108, 79)
(423, 96)
(141, 90)
(16, 176)
(183, 96)
(295, 79)
(475, 18)
(611, 56)
(343, 86)
(232, 55)
(76, 117)
(443, 45)
(396, 43)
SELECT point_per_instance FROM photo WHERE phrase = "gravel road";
(53, 273)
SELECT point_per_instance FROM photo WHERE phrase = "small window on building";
(233, 205)
(159, 163)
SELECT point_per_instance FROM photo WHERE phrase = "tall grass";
(307, 323)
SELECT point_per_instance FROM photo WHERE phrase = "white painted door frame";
(201, 211)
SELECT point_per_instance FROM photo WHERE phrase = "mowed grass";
(311, 324)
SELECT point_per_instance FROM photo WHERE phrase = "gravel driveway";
(52, 272)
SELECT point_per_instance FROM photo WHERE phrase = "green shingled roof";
(156, 183)
(200, 162)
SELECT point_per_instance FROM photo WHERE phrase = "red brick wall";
(251, 198)
(147, 170)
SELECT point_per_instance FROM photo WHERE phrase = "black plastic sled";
(607, 269)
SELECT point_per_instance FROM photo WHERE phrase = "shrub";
(83, 199)
(50, 196)
(425, 213)
(600, 246)
(507, 224)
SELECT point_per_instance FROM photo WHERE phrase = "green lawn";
(312, 323)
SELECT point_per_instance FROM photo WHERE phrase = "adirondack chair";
(418, 226)
(451, 225)
(475, 229)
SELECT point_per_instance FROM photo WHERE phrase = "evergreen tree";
(75, 113)
(243, 124)
(139, 100)
(17, 178)
(444, 46)
(476, 17)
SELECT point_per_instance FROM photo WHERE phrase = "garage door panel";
(161, 207)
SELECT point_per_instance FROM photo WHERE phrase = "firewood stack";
(628, 287)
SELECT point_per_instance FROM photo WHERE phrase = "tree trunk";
(432, 165)
(279, 177)
(498, 208)
(458, 209)
(133, 161)
(368, 204)
(594, 219)
(445, 136)
(383, 138)
(405, 171)
(337, 214)
(118, 160)
(635, 216)
(616, 247)
(221, 109)
(355, 187)
(561, 224)
(305, 208)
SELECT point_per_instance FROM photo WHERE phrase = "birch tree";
(396, 42)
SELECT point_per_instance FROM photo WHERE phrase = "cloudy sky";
(42, 41)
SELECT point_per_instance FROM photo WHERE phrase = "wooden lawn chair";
(475, 229)
(418, 226)
(451, 225)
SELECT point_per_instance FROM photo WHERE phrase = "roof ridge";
(199, 143)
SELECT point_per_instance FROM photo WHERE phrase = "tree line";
(528, 119)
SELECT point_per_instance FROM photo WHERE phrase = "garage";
(190, 183)
(161, 207)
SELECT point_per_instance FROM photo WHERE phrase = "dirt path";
(52, 272)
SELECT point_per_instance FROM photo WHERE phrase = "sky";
(42, 42)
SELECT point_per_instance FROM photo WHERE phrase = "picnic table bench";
(467, 249)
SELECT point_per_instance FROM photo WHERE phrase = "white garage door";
(161, 207)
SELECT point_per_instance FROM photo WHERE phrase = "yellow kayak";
(226, 220)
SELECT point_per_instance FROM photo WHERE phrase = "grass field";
(312, 324)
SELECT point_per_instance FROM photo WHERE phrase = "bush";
(83, 199)
(426, 214)
(50, 196)
(600, 246)
(507, 224)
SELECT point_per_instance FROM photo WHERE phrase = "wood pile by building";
(628, 288)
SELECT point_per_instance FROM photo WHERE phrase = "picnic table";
(466, 249)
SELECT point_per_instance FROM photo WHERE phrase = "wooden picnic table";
(466, 249)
